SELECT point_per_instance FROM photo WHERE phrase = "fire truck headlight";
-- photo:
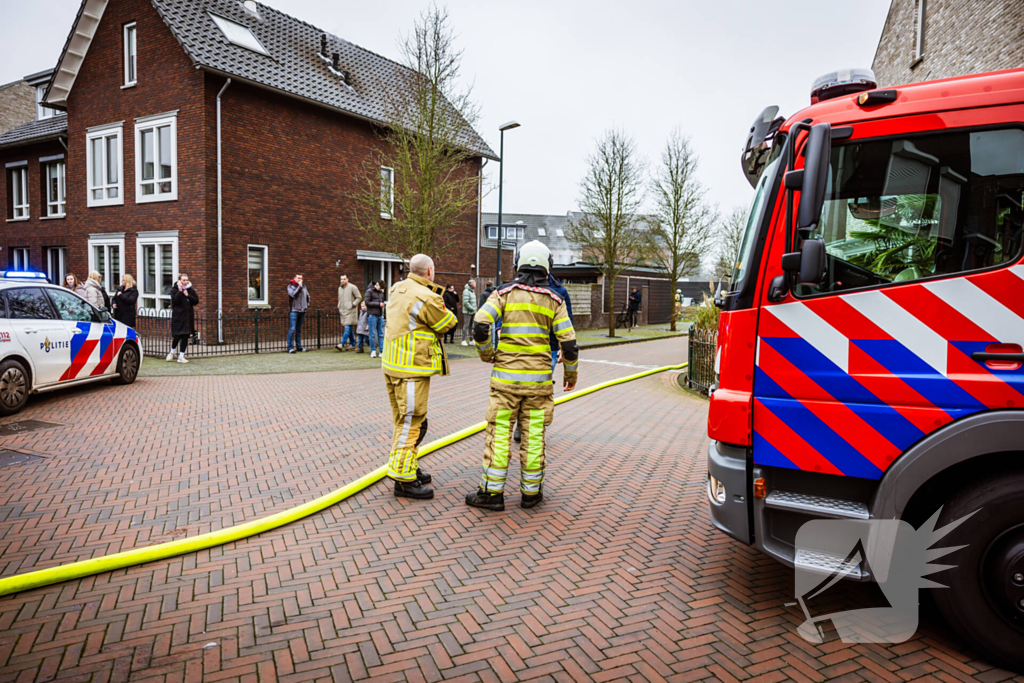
(716, 491)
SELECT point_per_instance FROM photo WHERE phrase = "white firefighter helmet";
(534, 254)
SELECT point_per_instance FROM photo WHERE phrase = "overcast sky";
(568, 70)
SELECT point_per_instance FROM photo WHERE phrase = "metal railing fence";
(702, 344)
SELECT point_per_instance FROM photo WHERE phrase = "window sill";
(916, 61)
(101, 204)
(258, 305)
(153, 199)
(129, 85)
(54, 217)
(19, 220)
(386, 216)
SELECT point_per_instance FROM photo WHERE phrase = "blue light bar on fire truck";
(842, 82)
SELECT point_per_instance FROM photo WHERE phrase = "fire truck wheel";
(984, 601)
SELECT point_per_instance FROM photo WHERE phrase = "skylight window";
(239, 35)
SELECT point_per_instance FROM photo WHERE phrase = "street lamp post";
(501, 177)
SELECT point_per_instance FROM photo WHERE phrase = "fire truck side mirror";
(812, 261)
(817, 153)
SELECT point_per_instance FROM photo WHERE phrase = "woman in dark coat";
(183, 321)
(451, 302)
(125, 299)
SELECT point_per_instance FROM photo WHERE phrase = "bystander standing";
(74, 284)
(363, 327)
(375, 308)
(468, 310)
(635, 299)
(94, 292)
(298, 303)
(184, 299)
(125, 300)
(348, 308)
(451, 302)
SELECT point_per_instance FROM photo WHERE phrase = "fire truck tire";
(984, 601)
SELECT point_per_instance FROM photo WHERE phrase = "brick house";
(930, 39)
(142, 83)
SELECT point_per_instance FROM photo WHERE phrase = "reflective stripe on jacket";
(522, 360)
(416, 319)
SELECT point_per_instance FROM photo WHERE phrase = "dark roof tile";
(36, 131)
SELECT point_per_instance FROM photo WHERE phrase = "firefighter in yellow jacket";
(521, 381)
(413, 353)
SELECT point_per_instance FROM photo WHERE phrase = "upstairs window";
(130, 53)
(541, 232)
(156, 159)
(17, 190)
(53, 175)
(42, 111)
(105, 165)
(387, 192)
(239, 35)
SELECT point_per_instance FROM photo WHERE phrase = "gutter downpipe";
(479, 216)
(220, 228)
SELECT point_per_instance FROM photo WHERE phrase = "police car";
(52, 338)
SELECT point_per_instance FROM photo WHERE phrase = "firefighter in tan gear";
(521, 381)
(413, 353)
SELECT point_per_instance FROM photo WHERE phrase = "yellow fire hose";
(129, 558)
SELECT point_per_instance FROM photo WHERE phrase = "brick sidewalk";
(617, 575)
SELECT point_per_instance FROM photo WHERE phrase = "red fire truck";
(869, 361)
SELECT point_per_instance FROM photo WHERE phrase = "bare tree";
(608, 227)
(682, 226)
(421, 182)
(729, 242)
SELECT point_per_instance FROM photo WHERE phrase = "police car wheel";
(127, 365)
(984, 601)
(14, 387)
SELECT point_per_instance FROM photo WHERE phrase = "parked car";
(51, 338)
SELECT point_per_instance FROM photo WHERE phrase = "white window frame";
(20, 254)
(492, 232)
(131, 54)
(42, 111)
(20, 208)
(239, 35)
(107, 241)
(542, 232)
(55, 209)
(387, 193)
(103, 132)
(154, 123)
(62, 258)
(266, 272)
(159, 239)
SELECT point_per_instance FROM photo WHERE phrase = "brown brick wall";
(17, 105)
(289, 172)
(35, 233)
(289, 169)
(959, 38)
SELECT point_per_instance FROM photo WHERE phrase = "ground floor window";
(19, 258)
(56, 258)
(257, 265)
(106, 256)
(158, 268)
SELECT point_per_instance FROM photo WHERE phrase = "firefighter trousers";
(409, 409)
(534, 414)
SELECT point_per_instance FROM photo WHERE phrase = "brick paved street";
(617, 575)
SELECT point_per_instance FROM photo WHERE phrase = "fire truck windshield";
(754, 217)
(902, 209)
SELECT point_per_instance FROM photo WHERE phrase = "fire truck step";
(819, 506)
(826, 563)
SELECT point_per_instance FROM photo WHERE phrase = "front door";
(35, 325)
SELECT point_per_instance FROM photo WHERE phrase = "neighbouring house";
(925, 40)
(17, 104)
(586, 285)
(189, 119)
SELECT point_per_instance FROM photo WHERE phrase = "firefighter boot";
(530, 500)
(486, 501)
(422, 477)
(413, 489)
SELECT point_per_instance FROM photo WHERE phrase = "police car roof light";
(24, 275)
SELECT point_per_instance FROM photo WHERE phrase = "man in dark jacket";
(184, 299)
(374, 300)
(487, 293)
(635, 298)
(298, 302)
(451, 302)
